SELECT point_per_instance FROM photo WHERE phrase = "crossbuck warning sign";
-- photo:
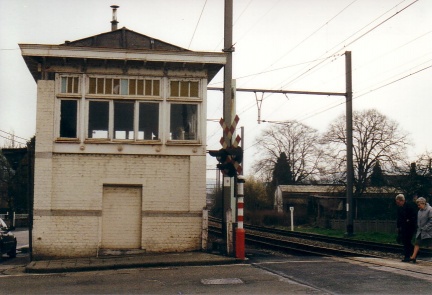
(228, 132)
(233, 154)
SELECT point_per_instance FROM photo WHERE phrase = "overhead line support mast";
(229, 105)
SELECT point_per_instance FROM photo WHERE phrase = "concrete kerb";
(112, 263)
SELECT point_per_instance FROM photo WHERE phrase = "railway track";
(313, 244)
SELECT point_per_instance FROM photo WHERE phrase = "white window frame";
(173, 96)
(164, 102)
(198, 123)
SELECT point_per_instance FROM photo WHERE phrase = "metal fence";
(17, 220)
(383, 226)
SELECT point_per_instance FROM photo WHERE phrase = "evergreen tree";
(282, 171)
(377, 176)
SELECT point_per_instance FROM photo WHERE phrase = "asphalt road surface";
(264, 273)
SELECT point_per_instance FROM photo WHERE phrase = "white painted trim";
(122, 54)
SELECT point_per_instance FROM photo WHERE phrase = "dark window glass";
(68, 118)
(124, 120)
(98, 119)
(148, 121)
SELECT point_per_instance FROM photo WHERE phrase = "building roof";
(123, 47)
(317, 190)
(126, 39)
(311, 189)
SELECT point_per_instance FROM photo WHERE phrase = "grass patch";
(368, 236)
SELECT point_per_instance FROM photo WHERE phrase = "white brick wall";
(68, 191)
(77, 186)
(172, 234)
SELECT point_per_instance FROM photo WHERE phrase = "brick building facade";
(120, 159)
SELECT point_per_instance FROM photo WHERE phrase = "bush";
(267, 218)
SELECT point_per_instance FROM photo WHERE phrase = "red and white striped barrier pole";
(240, 232)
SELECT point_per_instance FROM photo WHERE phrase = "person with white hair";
(406, 225)
(424, 227)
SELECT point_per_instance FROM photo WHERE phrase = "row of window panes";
(69, 84)
(184, 88)
(183, 118)
(110, 86)
(148, 87)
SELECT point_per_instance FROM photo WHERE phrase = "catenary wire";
(17, 141)
(351, 42)
(368, 92)
(11, 134)
(345, 45)
(196, 26)
(308, 37)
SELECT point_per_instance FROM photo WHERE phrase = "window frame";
(122, 93)
(77, 120)
(189, 97)
(111, 117)
(197, 139)
(163, 106)
(62, 77)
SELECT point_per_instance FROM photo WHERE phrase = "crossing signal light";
(229, 160)
(236, 154)
(221, 155)
(228, 169)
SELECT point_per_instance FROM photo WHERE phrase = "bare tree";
(424, 164)
(300, 144)
(416, 178)
(375, 138)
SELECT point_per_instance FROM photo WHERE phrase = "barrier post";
(240, 232)
(292, 218)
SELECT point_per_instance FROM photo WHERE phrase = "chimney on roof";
(114, 21)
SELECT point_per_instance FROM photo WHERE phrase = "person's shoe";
(406, 259)
(413, 260)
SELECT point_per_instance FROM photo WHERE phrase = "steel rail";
(344, 242)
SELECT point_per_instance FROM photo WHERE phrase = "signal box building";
(120, 159)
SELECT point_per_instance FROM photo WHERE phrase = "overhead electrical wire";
(196, 26)
(345, 45)
(368, 92)
(265, 71)
(237, 40)
(273, 70)
(351, 42)
(240, 15)
(304, 40)
(385, 54)
(11, 134)
(309, 36)
(17, 141)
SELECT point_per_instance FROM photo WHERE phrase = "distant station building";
(120, 161)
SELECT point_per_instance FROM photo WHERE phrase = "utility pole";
(349, 144)
(228, 115)
(229, 106)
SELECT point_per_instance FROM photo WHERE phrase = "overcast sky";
(279, 44)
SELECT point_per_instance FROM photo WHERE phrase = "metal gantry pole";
(228, 110)
(349, 144)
